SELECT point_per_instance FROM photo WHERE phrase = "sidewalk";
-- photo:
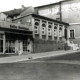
(35, 56)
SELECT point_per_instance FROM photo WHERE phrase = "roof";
(14, 12)
(53, 3)
(39, 16)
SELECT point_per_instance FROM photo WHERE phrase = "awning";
(16, 31)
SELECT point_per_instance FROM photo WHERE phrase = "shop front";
(14, 41)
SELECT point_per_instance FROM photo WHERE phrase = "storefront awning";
(16, 31)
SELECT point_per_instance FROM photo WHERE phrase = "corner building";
(22, 33)
(48, 34)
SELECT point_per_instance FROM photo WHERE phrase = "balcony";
(5, 24)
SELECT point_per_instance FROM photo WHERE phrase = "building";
(47, 33)
(24, 31)
(67, 11)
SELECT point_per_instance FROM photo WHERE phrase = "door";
(65, 33)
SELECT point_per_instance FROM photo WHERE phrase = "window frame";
(43, 28)
(73, 33)
(50, 30)
(37, 27)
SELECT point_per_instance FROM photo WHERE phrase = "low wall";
(45, 46)
(76, 40)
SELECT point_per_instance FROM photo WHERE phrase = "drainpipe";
(60, 9)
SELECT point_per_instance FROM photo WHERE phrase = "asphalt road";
(41, 69)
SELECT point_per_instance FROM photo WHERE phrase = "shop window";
(25, 45)
(10, 46)
(72, 34)
(1, 42)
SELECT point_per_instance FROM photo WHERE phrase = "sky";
(6, 5)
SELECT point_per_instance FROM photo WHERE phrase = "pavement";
(18, 58)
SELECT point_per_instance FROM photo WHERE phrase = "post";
(47, 30)
(53, 31)
(40, 30)
(58, 32)
(4, 42)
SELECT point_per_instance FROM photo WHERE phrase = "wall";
(28, 11)
(50, 11)
(71, 11)
(3, 16)
(76, 29)
(46, 45)
(27, 20)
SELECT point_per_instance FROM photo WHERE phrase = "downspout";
(60, 9)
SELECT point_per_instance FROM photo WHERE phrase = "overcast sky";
(6, 5)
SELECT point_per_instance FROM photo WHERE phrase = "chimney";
(22, 6)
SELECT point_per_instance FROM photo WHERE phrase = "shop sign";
(18, 27)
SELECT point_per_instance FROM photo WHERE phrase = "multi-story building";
(23, 31)
(67, 11)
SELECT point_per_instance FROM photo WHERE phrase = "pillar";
(58, 32)
(63, 31)
(4, 43)
(68, 33)
(32, 27)
(40, 29)
(47, 30)
(53, 31)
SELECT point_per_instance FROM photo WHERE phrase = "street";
(42, 69)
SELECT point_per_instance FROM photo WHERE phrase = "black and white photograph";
(40, 40)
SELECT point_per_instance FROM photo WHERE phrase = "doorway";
(18, 47)
(65, 33)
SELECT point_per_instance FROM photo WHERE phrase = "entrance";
(18, 46)
(1, 42)
(10, 46)
(65, 33)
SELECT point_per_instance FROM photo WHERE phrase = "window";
(60, 33)
(58, 19)
(43, 29)
(36, 26)
(71, 33)
(60, 30)
(55, 32)
(55, 26)
(1, 42)
(10, 46)
(55, 29)
(24, 45)
(49, 30)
